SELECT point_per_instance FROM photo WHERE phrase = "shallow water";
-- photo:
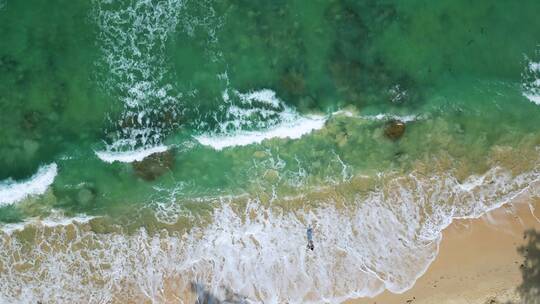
(194, 142)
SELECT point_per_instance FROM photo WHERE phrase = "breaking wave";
(53, 220)
(129, 156)
(380, 116)
(14, 191)
(255, 116)
(531, 82)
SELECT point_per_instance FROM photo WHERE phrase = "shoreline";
(477, 262)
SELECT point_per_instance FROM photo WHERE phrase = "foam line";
(404, 118)
(377, 117)
(293, 130)
(531, 82)
(255, 116)
(51, 221)
(12, 191)
(533, 97)
(129, 156)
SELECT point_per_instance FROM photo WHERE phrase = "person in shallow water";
(310, 238)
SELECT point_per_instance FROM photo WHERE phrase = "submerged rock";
(271, 175)
(30, 147)
(259, 154)
(293, 82)
(86, 196)
(394, 129)
(154, 165)
(8, 64)
(30, 120)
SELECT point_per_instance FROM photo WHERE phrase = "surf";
(12, 191)
(531, 81)
(274, 119)
(129, 156)
(132, 40)
(380, 240)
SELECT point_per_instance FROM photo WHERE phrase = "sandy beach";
(478, 261)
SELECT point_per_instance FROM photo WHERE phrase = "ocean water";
(157, 151)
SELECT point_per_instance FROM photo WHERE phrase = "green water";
(460, 63)
(91, 86)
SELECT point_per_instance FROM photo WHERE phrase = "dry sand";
(478, 260)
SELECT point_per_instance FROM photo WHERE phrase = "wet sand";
(478, 260)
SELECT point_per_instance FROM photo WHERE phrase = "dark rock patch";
(293, 82)
(31, 120)
(394, 129)
(8, 64)
(154, 165)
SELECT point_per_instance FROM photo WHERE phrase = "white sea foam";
(136, 70)
(534, 67)
(132, 39)
(472, 182)
(531, 82)
(380, 116)
(129, 156)
(345, 113)
(14, 191)
(533, 97)
(265, 95)
(53, 220)
(404, 118)
(384, 240)
(257, 116)
(289, 129)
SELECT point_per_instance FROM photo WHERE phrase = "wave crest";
(531, 81)
(12, 191)
(256, 116)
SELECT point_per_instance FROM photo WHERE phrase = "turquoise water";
(208, 119)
